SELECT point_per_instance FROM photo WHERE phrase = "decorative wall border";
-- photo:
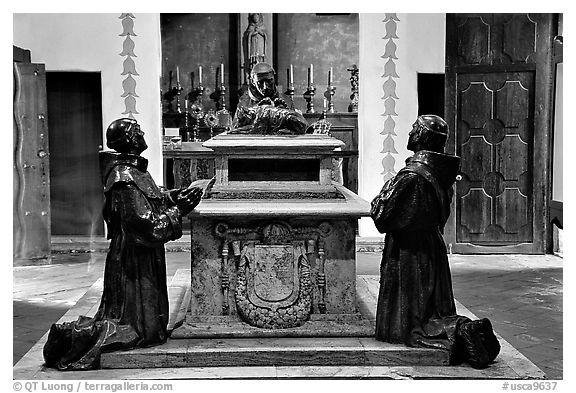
(390, 97)
(129, 66)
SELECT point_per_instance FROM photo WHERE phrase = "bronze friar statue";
(266, 112)
(416, 303)
(140, 218)
(262, 86)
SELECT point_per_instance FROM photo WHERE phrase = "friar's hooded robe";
(416, 302)
(133, 311)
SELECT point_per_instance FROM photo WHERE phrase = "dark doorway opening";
(431, 94)
(75, 137)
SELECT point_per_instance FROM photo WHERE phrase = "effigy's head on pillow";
(268, 120)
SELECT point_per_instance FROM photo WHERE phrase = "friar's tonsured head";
(429, 132)
(262, 81)
(125, 136)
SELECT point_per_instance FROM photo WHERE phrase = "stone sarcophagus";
(273, 242)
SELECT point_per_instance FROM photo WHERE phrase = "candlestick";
(178, 90)
(311, 79)
(184, 132)
(328, 94)
(309, 97)
(221, 73)
(290, 89)
(200, 75)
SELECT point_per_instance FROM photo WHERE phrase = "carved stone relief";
(272, 265)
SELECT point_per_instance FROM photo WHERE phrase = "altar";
(273, 243)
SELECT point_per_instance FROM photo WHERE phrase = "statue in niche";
(254, 40)
(416, 302)
(140, 217)
(266, 113)
(254, 43)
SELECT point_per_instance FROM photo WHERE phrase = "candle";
(177, 74)
(330, 77)
(311, 74)
(308, 76)
(200, 75)
(221, 73)
(291, 75)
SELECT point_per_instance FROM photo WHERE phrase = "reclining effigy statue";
(267, 119)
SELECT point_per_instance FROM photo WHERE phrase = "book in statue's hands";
(204, 184)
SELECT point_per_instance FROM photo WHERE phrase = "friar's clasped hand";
(188, 199)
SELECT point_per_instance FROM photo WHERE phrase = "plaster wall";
(93, 43)
(394, 48)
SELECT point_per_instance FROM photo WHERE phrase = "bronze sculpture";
(262, 86)
(268, 119)
(140, 217)
(416, 302)
(266, 113)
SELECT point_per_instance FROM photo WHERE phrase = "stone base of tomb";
(287, 358)
(284, 351)
(319, 325)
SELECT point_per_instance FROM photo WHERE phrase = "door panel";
(495, 134)
(31, 170)
(498, 108)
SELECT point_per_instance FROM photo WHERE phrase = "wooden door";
(31, 174)
(498, 105)
(75, 120)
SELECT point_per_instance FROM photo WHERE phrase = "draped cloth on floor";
(133, 310)
(416, 302)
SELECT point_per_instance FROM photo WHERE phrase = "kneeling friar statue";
(140, 218)
(416, 303)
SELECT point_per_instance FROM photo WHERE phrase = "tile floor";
(521, 294)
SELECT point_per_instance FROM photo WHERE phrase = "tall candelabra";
(329, 93)
(197, 110)
(179, 89)
(173, 92)
(290, 82)
(309, 97)
(221, 103)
